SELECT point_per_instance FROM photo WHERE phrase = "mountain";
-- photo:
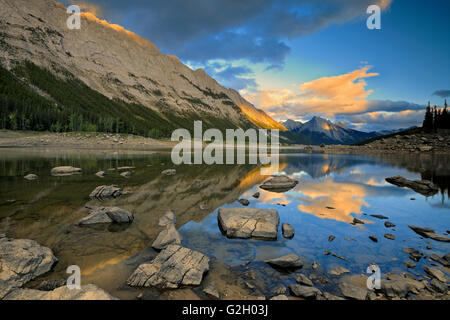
(292, 125)
(104, 77)
(320, 130)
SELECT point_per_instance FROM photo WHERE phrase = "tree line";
(69, 105)
(436, 118)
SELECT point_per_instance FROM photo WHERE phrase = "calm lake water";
(47, 209)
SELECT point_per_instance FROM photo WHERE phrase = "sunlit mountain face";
(320, 130)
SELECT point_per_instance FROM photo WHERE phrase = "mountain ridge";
(120, 65)
(320, 130)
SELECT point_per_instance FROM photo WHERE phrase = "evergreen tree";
(428, 121)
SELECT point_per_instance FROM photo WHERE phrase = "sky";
(296, 59)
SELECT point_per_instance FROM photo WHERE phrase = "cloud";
(442, 93)
(340, 98)
(380, 120)
(256, 30)
(328, 96)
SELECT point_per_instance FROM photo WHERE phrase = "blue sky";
(300, 58)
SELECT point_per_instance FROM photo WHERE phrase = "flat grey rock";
(279, 184)
(64, 171)
(291, 261)
(172, 268)
(351, 291)
(98, 215)
(304, 291)
(105, 192)
(435, 273)
(249, 223)
(21, 261)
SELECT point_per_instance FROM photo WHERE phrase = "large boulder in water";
(424, 187)
(172, 268)
(21, 261)
(249, 223)
(279, 184)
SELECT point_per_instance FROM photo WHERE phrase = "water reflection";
(332, 190)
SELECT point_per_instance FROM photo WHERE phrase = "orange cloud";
(342, 94)
(345, 198)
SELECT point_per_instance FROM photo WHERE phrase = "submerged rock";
(106, 215)
(256, 195)
(429, 233)
(31, 177)
(300, 278)
(339, 271)
(249, 223)
(52, 284)
(173, 267)
(373, 238)
(212, 292)
(64, 171)
(167, 219)
(279, 184)
(379, 216)
(414, 254)
(104, 192)
(21, 261)
(288, 230)
(291, 261)
(87, 292)
(424, 187)
(389, 236)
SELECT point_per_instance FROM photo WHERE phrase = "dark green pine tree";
(428, 121)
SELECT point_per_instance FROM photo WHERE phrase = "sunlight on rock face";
(141, 41)
(345, 198)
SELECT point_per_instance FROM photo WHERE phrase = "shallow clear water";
(352, 185)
